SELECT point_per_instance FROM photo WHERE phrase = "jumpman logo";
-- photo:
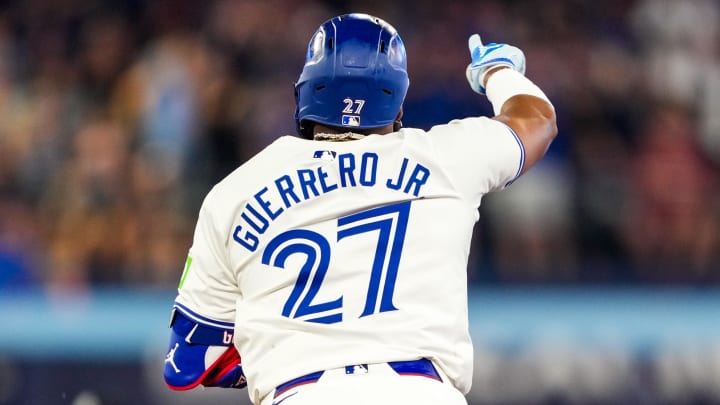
(170, 358)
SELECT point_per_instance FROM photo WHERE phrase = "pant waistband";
(421, 367)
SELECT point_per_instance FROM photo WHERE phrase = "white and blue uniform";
(327, 255)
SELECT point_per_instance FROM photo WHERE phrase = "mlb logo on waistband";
(351, 120)
(356, 369)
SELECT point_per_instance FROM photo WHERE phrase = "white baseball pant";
(392, 383)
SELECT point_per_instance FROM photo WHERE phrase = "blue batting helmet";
(355, 75)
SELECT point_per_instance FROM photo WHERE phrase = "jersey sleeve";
(201, 350)
(479, 154)
(208, 286)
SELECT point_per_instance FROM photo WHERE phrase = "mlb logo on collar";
(324, 154)
(351, 120)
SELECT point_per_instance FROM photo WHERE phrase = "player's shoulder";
(267, 158)
(254, 171)
(461, 124)
(477, 128)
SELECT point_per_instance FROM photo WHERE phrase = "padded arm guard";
(201, 352)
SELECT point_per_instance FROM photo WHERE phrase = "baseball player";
(335, 262)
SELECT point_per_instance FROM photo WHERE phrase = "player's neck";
(337, 137)
(324, 132)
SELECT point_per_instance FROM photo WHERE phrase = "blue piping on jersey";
(306, 379)
(201, 319)
(522, 153)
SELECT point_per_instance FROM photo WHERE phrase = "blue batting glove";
(487, 57)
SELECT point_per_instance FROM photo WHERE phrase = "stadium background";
(595, 279)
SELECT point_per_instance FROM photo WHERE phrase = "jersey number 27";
(389, 222)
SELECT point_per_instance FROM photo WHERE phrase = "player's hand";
(486, 57)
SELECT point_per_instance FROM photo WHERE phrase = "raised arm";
(498, 71)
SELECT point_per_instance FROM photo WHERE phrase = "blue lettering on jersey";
(266, 204)
(307, 183)
(353, 170)
(346, 168)
(368, 169)
(411, 184)
(322, 177)
(286, 188)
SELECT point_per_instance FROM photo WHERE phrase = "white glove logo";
(170, 358)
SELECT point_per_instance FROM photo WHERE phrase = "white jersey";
(326, 254)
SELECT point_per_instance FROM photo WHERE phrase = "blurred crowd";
(117, 116)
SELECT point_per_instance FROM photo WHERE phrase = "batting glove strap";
(201, 352)
(486, 57)
(200, 330)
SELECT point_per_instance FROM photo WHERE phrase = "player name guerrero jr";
(303, 184)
